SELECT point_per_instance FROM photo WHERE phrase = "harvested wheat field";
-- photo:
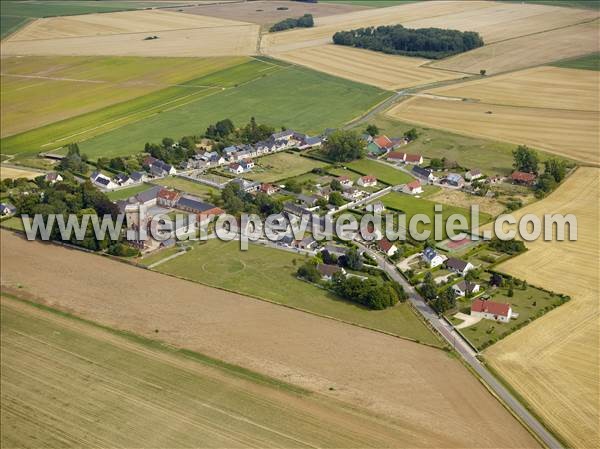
(125, 33)
(459, 198)
(429, 395)
(268, 12)
(369, 67)
(14, 173)
(325, 27)
(550, 108)
(527, 51)
(72, 384)
(553, 362)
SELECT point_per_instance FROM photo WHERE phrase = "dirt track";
(430, 393)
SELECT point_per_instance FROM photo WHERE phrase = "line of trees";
(432, 43)
(306, 21)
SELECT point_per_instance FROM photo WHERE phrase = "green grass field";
(125, 193)
(71, 383)
(382, 172)
(271, 274)
(588, 62)
(412, 206)
(10, 24)
(256, 88)
(585, 4)
(193, 188)
(371, 3)
(280, 166)
(37, 91)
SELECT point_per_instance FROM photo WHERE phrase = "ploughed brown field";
(427, 393)
(554, 109)
(553, 362)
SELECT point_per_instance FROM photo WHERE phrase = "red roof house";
(491, 310)
(384, 142)
(523, 178)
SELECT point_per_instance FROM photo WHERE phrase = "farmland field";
(37, 91)
(383, 172)
(56, 366)
(527, 51)
(588, 62)
(14, 173)
(377, 69)
(317, 101)
(308, 351)
(125, 33)
(553, 362)
(271, 274)
(268, 12)
(9, 24)
(281, 166)
(549, 108)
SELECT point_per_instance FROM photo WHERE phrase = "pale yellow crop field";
(527, 51)
(545, 87)
(553, 362)
(325, 27)
(14, 173)
(369, 67)
(124, 33)
(554, 109)
(508, 20)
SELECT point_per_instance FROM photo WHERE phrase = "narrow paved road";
(468, 354)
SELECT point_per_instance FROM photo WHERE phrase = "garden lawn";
(271, 274)
(193, 188)
(281, 166)
(127, 192)
(412, 206)
(383, 172)
(529, 304)
(316, 101)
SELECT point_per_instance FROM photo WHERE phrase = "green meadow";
(271, 274)
(587, 62)
(384, 173)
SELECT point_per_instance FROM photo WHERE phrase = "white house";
(464, 288)
(352, 194)
(7, 209)
(473, 174)
(53, 177)
(236, 168)
(458, 266)
(491, 310)
(102, 181)
(367, 181)
(413, 188)
(433, 258)
(327, 271)
(345, 182)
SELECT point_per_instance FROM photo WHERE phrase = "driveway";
(467, 320)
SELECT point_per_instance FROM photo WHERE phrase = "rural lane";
(468, 354)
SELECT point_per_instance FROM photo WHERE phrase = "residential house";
(137, 177)
(53, 177)
(458, 266)
(283, 135)
(384, 143)
(413, 159)
(328, 271)
(7, 209)
(247, 164)
(148, 197)
(413, 187)
(312, 142)
(247, 186)
(376, 208)
(352, 194)
(102, 181)
(324, 191)
(367, 181)
(432, 258)
(236, 168)
(194, 205)
(345, 182)
(295, 210)
(123, 180)
(491, 310)
(161, 169)
(268, 189)
(306, 243)
(454, 179)
(373, 150)
(523, 178)
(337, 251)
(396, 156)
(167, 198)
(423, 173)
(473, 174)
(308, 200)
(464, 288)
(387, 247)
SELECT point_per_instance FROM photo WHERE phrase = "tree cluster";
(74, 161)
(511, 246)
(344, 146)
(432, 43)
(306, 21)
(555, 171)
(367, 292)
(224, 133)
(526, 159)
(235, 201)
